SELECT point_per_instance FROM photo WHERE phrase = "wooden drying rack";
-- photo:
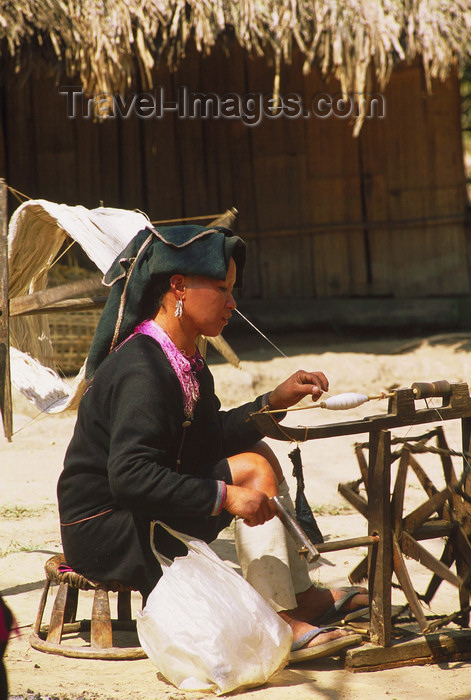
(74, 296)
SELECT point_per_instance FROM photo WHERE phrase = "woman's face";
(208, 303)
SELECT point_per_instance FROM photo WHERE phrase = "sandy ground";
(29, 532)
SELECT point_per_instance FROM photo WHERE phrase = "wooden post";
(462, 566)
(466, 446)
(5, 380)
(380, 562)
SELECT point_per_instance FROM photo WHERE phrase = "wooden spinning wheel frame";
(445, 513)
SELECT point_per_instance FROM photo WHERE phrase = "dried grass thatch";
(106, 42)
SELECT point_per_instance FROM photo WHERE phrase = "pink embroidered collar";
(184, 367)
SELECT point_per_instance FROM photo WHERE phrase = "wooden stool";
(63, 617)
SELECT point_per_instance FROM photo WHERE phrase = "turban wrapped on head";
(152, 253)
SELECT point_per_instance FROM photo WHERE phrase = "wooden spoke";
(399, 490)
(426, 483)
(362, 463)
(447, 463)
(466, 443)
(406, 585)
(413, 549)
(424, 511)
(354, 498)
(463, 570)
(360, 572)
(447, 559)
(462, 540)
(463, 567)
(433, 529)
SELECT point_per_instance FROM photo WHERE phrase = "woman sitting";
(151, 442)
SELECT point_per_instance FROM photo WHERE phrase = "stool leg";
(101, 634)
(42, 605)
(124, 605)
(70, 613)
(57, 616)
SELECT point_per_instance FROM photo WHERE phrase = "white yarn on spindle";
(343, 401)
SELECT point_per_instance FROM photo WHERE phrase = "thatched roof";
(105, 42)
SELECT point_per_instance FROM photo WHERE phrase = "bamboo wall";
(324, 214)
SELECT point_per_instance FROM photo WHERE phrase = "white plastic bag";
(206, 628)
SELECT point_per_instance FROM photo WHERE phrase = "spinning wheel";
(445, 513)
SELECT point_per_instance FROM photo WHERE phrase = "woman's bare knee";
(254, 471)
(265, 451)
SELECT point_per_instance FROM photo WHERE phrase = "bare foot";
(300, 628)
(314, 602)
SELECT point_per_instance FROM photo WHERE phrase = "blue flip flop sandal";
(336, 613)
(299, 651)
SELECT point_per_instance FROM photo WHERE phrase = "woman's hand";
(253, 506)
(296, 387)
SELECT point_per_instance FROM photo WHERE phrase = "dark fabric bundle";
(6, 625)
(304, 514)
(152, 253)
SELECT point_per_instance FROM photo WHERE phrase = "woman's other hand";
(296, 387)
(253, 506)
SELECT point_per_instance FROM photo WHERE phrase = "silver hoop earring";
(179, 308)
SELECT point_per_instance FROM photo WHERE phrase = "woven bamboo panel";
(71, 335)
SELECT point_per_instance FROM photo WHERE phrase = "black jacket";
(131, 454)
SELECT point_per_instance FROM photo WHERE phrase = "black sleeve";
(144, 440)
(239, 433)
